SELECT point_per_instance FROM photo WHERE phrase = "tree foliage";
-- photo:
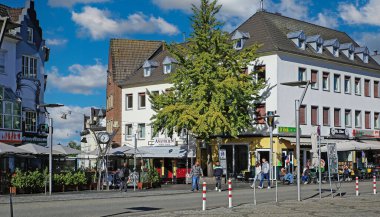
(211, 93)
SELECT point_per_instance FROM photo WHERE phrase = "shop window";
(347, 84)
(30, 121)
(302, 74)
(357, 86)
(260, 113)
(347, 118)
(358, 119)
(326, 81)
(376, 89)
(367, 88)
(337, 117)
(128, 131)
(376, 120)
(142, 100)
(336, 83)
(129, 101)
(314, 79)
(303, 114)
(314, 115)
(326, 116)
(367, 120)
(141, 131)
(29, 67)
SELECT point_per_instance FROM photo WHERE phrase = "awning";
(352, 145)
(65, 150)
(9, 149)
(163, 152)
(38, 149)
(303, 141)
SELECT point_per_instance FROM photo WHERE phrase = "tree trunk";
(210, 169)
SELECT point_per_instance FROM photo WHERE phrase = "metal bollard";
(374, 184)
(204, 196)
(229, 193)
(357, 186)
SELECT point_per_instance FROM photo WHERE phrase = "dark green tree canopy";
(212, 94)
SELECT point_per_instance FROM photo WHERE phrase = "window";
(376, 89)
(319, 48)
(2, 62)
(367, 120)
(326, 116)
(30, 34)
(303, 114)
(314, 115)
(347, 84)
(336, 83)
(302, 74)
(335, 51)
(128, 131)
(167, 68)
(314, 79)
(325, 81)
(351, 55)
(367, 88)
(29, 67)
(260, 113)
(128, 101)
(239, 44)
(358, 119)
(142, 100)
(347, 118)
(30, 121)
(141, 131)
(260, 72)
(147, 71)
(365, 58)
(376, 120)
(10, 115)
(357, 86)
(337, 117)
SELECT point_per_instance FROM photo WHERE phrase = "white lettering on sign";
(11, 136)
(163, 142)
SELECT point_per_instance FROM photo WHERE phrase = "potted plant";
(153, 177)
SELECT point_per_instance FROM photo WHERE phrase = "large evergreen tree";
(212, 94)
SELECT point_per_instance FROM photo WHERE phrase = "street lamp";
(298, 103)
(54, 105)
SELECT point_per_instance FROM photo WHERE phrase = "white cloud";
(369, 39)
(68, 129)
(293, 8)
(326, 19)
(99, 24)
(70, 3)
(56, 41)
(367, 14)
(83, 79)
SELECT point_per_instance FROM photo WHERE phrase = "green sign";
(287, 130)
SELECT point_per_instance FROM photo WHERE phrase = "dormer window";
(298, 38)
(30, 34)
(348, 50)
(315, 42)
(332, 46)
(362, 53)
(148, 67)
(240, 38)
(168, 64)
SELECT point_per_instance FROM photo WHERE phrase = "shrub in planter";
(152, 177)
(19, 180)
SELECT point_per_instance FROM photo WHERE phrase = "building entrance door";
(237, 159)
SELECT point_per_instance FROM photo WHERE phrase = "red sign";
(366, 133)
(10, 137)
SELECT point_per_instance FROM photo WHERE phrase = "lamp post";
(50, 119)
(298, 103)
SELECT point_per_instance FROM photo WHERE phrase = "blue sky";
(78, 33)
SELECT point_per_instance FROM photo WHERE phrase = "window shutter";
(325, 116)
(366, 87)
(302, 114)
(314, 115)
(314, 75)
(367, 120)
(337, 117)
(260, 113)
(376, 89)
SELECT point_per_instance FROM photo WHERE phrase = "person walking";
(124, 177)
(257, 174)
(264, 173)
(218, 173)
(196, 173)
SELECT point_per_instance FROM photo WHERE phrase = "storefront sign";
(10, 137)
(223, 160)
(287, 130)
(339, 133)
(366, 133)
(163, 142)
(34, 139)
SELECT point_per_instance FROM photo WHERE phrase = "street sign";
(287, 130)
(223, 160)
(332, 155)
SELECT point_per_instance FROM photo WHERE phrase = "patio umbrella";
(119, 150)
(65, 150)
(9, 149)
(37, 149)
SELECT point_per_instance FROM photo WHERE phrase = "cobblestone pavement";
(368, 206)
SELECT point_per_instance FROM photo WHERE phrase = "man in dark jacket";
(218, 173)
(124, 177)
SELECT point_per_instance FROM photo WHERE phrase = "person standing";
(218, 173)
(264, 173)
(124, 177)
(196, 173)
(257, 174)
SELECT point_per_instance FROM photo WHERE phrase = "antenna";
(261, 5)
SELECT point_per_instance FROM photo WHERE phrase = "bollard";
(204, 196)
(357, 186)
(229, 193)
(374, 184)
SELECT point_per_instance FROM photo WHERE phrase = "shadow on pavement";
(140, 208)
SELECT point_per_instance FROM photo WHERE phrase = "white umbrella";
(9, 149)
(37, 149)
(65, 150)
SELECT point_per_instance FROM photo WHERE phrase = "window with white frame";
(29, 67)
(357, 86)
(30, 34)
(336, 82)
(128, 131)
(358, 119)
(239, 44)
(326, 81)
(314, 79)
(167, 68)
(141, 131)
(30, 121)
(142, 100)
(347, 118)
(10, 115)
(147, 71)
(128, 101)
(302, 74)
(347, 84)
